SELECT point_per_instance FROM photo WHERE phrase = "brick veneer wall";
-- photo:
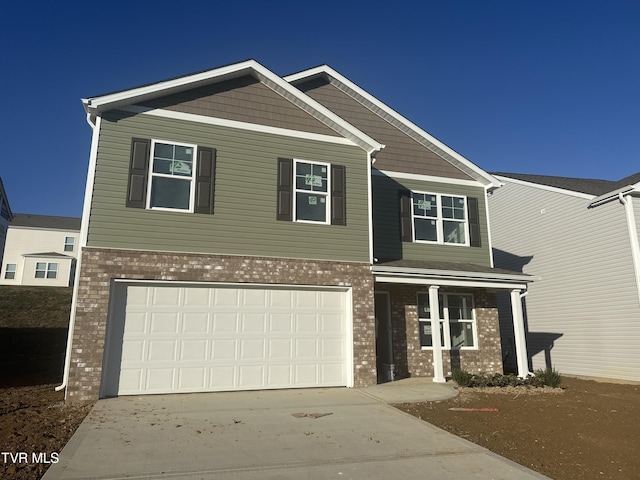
(412, 361)
(101, 266)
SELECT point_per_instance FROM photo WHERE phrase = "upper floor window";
(311, 192)
(10, 271)
(312, 201)
(457, 321)
(46, 270)
(69, 244)
(439, 218)
(167, 175)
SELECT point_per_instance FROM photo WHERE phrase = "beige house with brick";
(243, 230)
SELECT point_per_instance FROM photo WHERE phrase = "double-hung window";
(457, 321)
(172, 176)
(312, 187)
(10, 271)
(69, 244)
(439, 218)
(46, 270)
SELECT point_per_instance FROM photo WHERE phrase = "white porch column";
(434, 308)
(518, 330)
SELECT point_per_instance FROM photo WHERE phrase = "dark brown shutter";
(406, 224)
(473, 214)
(138, 171)
(285, 189)
(205, 180)
(338, 195)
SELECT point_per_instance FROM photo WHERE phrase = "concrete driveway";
(282, 434)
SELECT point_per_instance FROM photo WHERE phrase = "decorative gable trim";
(96, 105)
(397, 120)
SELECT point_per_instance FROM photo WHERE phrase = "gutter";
(94, 123)
(633, 236)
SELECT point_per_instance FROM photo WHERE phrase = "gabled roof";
(96, 105)
(397, 120)
(45, 221)
(600, 191)
(48, 255)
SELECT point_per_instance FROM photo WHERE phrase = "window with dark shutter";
(205, 180)
(338, 195)
(473, 214)
(406, 223)
(138, 171)
(285, 189)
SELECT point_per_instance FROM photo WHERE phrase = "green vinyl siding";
(386, 223)
(244, 222)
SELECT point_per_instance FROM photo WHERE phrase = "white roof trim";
(469, 283)
(96, 105)
(427, 178)
(548, 188)
(626, 190)
(437, 275)
(397, 120)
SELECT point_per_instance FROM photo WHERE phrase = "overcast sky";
(549, 87)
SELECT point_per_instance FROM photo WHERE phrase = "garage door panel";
(202, 338)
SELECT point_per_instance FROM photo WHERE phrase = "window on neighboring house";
(10, 271)
(171, 176)
(439, 218)
(311, 192)
(69, 244)
(457, 321)
(46, 270)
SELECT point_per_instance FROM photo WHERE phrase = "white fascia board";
(451, 282)
(451, 274)
(548, 188)
(626, 190)
(274, 82)
(400, 122)
(428, 178)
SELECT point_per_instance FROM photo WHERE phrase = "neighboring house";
(40, 250)
(247, 231)
(580, 237)
(5, 218)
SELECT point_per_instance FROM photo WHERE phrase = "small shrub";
(461, 377)
(549, 377)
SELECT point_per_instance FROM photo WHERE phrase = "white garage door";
(170, 339)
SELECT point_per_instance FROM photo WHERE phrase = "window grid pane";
(311, 192)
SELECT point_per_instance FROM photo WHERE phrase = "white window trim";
(445, 322)
(47, 270)
(440, 220)
(72, 244)
(327, 194)
(14, 271)
(151, 175)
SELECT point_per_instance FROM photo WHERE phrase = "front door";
(384, 348)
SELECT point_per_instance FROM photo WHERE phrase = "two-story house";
(247, 231)
(40, 250)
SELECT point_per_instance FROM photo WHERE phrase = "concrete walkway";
(281, 434)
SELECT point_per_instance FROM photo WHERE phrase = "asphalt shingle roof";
(45, 221)
(589, 186)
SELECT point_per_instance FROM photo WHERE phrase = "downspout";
(486, 209)
(370, 163)
(94, 123)
(633, 237)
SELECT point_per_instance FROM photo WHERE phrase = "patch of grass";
(549, 377)
(34, 307)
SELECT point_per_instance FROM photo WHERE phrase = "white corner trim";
(428, 178)
(221, 122)
(397, 120)
(572, 193)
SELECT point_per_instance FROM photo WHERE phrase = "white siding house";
(580, 238)
(40, 250)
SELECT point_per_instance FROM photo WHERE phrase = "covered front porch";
(419, 301)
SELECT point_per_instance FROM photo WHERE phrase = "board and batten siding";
(386, 223)
(244, 221)
(583, 313)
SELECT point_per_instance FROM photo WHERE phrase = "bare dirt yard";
(587, 430)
